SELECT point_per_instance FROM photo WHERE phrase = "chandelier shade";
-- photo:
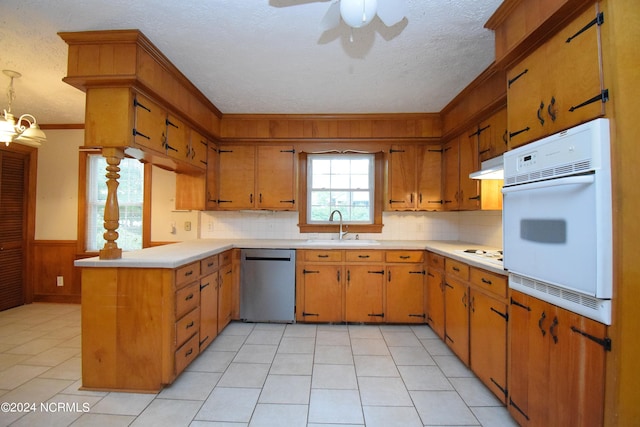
(23, 131)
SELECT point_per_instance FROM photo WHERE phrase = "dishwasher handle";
(261, 258)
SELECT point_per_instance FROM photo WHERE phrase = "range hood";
(490, 169)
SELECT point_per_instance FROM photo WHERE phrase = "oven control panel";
(527, 160)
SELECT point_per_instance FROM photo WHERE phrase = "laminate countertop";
(177, 254)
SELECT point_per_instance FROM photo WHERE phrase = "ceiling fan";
(358, 13)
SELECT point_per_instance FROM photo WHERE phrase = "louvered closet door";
(12, 211)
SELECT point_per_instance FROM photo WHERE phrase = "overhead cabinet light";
(490, 169)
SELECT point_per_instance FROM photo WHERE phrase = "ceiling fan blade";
(331, 19)
(391, 11)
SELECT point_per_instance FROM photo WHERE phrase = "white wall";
(163, 213)
(57, 186)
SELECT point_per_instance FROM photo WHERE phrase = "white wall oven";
(557, 219)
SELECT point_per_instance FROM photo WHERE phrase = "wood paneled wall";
(342, 126)
(53, 258)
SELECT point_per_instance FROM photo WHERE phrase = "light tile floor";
(251, 375)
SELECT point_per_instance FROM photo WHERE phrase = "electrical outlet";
(60, 281)
(187, 226)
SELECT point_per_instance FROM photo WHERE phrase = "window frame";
(304, 194)
(83, 182)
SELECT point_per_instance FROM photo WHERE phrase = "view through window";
(130, 199)
(341, 181)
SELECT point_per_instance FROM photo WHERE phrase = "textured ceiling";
(259, 56)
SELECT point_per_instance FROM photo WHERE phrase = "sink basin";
(346, 242)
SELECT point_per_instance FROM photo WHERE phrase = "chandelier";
(15, 131)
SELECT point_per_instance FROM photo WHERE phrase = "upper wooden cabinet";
(560, 84)
(414, 178)
(257, 177)
(460, 158)
(493, 136)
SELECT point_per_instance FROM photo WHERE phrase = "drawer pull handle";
(188, 273)
(190, 325)
(363, 256)
(210, 264)
(405, 256)
(488, 282)
(323, 256)
(188, 353)
(188, 297)
(455, 269)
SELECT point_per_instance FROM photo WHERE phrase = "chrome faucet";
(341, 233)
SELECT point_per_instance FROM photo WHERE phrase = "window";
(130, 199)
(341, 182)
(348, 182)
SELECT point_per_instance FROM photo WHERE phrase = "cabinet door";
(402, 177)
(456, 323)
(363, 293)
(322, 289)
(177, 142)
(208, 309)
(149, 127)
(576, 395)
(558, 85)
(450, 174)
(488, 342)
(493, 137)
(469, 195)
(520, 327)
(405, 294)
(237, 173)
(435, 301)
(430, 178)
(212, 177)
(225, 290)
(198, 145)
(276, 177)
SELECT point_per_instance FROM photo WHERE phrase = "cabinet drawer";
(209, 265)
(404, 256)
(187, 326)
(225, 258)
(323, 255)
(435, 260)
(492, 282)
(185, 354)
(187, 299)
(364, 256)
(187, 273)
(456, 268)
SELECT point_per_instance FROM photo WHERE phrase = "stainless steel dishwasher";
(268, 285)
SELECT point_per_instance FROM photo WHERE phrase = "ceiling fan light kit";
(358, 13)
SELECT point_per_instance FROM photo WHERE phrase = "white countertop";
(177, 254)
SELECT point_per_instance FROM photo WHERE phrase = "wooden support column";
(111, 207)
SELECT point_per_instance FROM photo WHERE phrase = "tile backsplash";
(482, 227)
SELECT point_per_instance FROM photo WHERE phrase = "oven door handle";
(571, 180)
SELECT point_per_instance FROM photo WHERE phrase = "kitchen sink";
(345, 242)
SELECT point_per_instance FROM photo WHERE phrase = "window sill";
(331, 228)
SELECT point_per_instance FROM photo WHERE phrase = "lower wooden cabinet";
(456, 319)
(362, 286)
(364, 293)
(141, 327)
(556, 365)
(435, 293)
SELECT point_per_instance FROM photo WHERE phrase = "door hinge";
(599, 19)
(517, 304)
(310, 271)
(526, 70)
(518, 132)
(603, 96)
(376, 315)
(505, 316)
(512, 403)
(604, 342)
(502, 389)
(309, 314)
(424, 316)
